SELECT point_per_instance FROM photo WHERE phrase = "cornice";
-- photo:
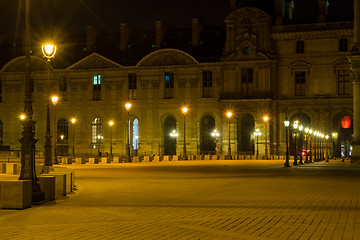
(312, 34)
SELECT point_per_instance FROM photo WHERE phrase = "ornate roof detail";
(248, 15)
(313, 34)
(18, 65)
(94, 61)
(167, 57)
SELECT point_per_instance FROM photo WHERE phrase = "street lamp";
(301, 127)
(174, 135)
(111, 123)
(62, 145)
(54, 100)
(333, 135)
(287, 124)
(257, 133)
(73, 120)
(128, 107)
(48, 51)
(295, 126)
(184, 110)
(266, 119)
(229, 114)
(215, 134)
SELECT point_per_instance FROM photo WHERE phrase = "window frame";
(132, 85)
(96, 82)
(300, 83)
(169, 87)
(247, 82)
(207, 84)
(300, 46)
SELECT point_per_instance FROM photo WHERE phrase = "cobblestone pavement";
(199, 200)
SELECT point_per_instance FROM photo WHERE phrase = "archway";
(207, 142)
(246, 127)
(169, 144)
(342, 135)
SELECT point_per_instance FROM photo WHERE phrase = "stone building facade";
(269, 66)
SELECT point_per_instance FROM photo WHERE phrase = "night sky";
(74, 15)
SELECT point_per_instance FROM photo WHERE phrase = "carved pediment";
(300, 64)
(344, 62)
(94, 61)
(167, 57)
(248, 15)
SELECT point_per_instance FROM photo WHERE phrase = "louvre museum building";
(209, 89)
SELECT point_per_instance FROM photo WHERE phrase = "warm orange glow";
(128, 106)
(111, 123)
(22, 116)
(73, 120)
(49, 50)
(184, 110)
(229, 114)
(266, 118)
(62, 137)
(54, 99)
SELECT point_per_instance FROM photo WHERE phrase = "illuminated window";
(343, 44)
(132, 85)
(300, 83)
(299, 46)
(207, 84)
(62, 129)
(135, 134)
(96, 131)
(169, 85)
(247, 79)
(343, 82)
(97, 87)
(63, 87)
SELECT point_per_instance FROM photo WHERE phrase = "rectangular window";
(63, 88)
(299, 46)
(132, 85)
(343, 82)
(207, 84)
(247, 79)
(169, 85)
(97, 87)
(343, 44)
(0, 90)
(300, 83)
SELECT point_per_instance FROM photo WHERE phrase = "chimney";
(322, 10)
(232, 4)
(91, 35)
(197, 27)
(125, 31)
(160, 30)
(279, 12)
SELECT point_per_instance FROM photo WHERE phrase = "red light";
(346, 122)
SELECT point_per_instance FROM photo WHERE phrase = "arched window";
(1, 132)
(135, 134)
(170, 135)
(96, 131)
(246, 128)
(207, 142)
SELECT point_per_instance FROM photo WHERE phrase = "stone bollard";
(214, 157)
(207, 157)
(60, 184)
(199, 157)
(15, 194)
(11, 168)
(175, 158)
(80, 160)
(66, 160)
(166, 158)
(70, 177)
(156, 159)
(135, 159)
(93, 161)
(105, 160)
(147, 159)
(47, 185)
(116, 160)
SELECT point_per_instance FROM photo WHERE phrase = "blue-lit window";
(135, 134)
(97, 87)
(169, 85)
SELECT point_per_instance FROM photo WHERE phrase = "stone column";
(354, 59)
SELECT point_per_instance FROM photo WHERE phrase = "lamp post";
(62, 145)
(306, 144)
(287, 124)
(295, 126)
(174, 135)
(128, 107)
(315, 146)
(266, 119)
(215, 134)
(229, 114)
(48, 51)
(184, 110)
(111, 123)
(99, 138)
(333, 145)
(136, 144)
(327, 147)
(257, 133)
(54, 100)
(73, 120)
(301, 127)
(310, 143)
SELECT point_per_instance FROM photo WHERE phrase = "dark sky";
(108, 14)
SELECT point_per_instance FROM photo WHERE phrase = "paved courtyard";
(199, 200)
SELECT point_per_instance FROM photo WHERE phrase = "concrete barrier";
(166, 158)
(70, 177)
(60, 184)
(191, 157)
(15, 194)
(47, 185)
(207, 157)
(175, 158)
(147, 159)
(156, 159)
(199, 157)
(93, 161)
(11, 168)
(214, 157)
(116, 160)
(105, 160)
(3, 167)
(222, 157)
(66, 160)
(135, 159)
(80, 160)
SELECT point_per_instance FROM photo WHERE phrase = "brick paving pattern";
(199, 200)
